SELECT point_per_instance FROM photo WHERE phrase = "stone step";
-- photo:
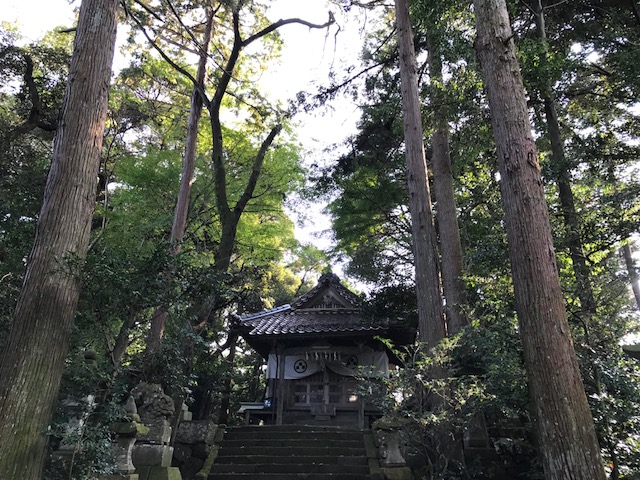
(307, 451)
(286, 452)
(291, 428)
(290, 468)
(237, 434)
(308, 460)
(289, 476)
(292, 442)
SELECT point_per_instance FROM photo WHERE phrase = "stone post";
(152, 454)
(387, 437)
(122, 446)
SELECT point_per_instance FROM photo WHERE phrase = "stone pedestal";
(198, 431)
(185, 414)
(194, 443)
(397, 473)
(476, 435)
(393, 465)
(159, 432)
(389, 447)
(159, 473)
(78, 411)
(122, 453)
(126, 433)
(147, 455)
(152, 455)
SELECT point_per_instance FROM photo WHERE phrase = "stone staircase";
(293, 452)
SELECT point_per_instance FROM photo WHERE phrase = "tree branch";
(193, 38)
(288, 21)
(220, 174)
(255, 172)
(165, 57)
(227, 71)
(146, 8)
(35, 118)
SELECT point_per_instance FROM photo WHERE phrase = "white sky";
(308, 55)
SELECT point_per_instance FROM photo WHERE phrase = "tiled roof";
(310, 314)
(292, 322)
(327, 310)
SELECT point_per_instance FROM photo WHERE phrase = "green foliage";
(474, 379)
(370, 217)
(34, 79)
(615, 405)
(80, 437)
(395, 303)
(171, 364)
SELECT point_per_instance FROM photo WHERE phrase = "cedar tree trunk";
(179, 226)
(450, 246)
(565, 193)
(430, 314)
(33, 361)
(562, 417)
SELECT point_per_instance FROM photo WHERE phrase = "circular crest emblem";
(300, 366)
(352, 362)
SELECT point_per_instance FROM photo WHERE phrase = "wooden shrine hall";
(315, 348)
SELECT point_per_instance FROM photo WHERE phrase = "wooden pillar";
(361, 412)
(325, 379)
(280, 386)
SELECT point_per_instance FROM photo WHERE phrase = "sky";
(307, 55)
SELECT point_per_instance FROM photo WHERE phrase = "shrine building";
(315, 349)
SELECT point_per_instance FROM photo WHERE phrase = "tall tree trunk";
(39, 340)
(189, 161)
(565, 193)
(430, 312)
(563, 420)
(179, 226)
(560, 167)
(633, 272)
(450, 246)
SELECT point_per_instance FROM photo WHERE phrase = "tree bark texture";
(33, 361)
(179, 226)
(450, 245)
(430, 312)
(189, 160)
(564, 425)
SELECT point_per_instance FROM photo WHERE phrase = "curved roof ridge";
(324, 280)
(265, 313)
